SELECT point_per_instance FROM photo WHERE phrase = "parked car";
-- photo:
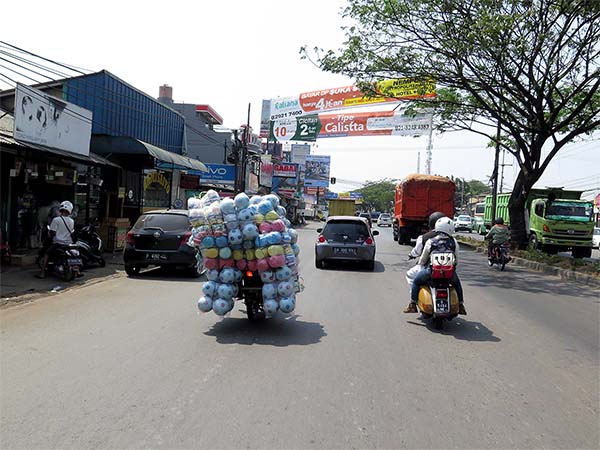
(596, 238)
(159, 238)
(464, 223)
(346, 238)
(367, 216)
(385, 220)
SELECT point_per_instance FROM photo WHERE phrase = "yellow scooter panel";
(425, 301)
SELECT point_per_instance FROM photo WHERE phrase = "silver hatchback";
(346, 238)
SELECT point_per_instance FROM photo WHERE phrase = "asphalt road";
(129, 363)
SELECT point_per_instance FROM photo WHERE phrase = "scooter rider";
(498, 235)
(418, 248)
(61, 231)
(443, 227)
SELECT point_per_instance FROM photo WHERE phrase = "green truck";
(557, 220)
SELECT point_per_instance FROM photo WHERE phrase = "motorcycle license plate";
(74, 262)
(441, 304)
(344, 251)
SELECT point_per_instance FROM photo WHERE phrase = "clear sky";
(231, 53)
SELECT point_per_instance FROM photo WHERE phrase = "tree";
(524, 73)
(378, 195)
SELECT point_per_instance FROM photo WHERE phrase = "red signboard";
(189, 181)
(285, 170)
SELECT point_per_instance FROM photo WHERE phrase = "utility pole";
(429, 147)
(495, 174)
(502, 172)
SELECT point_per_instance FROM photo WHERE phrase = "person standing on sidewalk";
(61, 231)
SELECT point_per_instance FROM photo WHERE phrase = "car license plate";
(74, 262)
(344, 251)
(153, 256)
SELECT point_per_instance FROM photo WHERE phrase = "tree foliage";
(530, 67)
(378, 195)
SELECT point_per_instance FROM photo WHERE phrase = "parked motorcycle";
(438, 300)
(90, 246)
(499, 255)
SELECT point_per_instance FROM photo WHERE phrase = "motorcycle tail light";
(442, 293)
(369, 241)
(546, 228)
(321, 239)
(130, 238)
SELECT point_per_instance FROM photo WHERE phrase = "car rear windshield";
(465, 218)
(346, 230)
(164, 222)
(385, 216)
(596, 231)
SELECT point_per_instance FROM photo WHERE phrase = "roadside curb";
(565, 274)
(8, 302)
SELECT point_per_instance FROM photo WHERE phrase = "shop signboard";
(285, 170)
(299, 153)
(350, 96)
(285, 186)
(302, 128)
(317, 171)
(266, 171)
(187, 181)
(46, 120)
(217, 174)
(343, 196)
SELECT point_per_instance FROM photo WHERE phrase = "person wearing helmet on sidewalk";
(418, 248)
(444, 230)
(61, 231)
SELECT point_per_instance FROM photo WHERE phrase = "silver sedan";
(346, 238)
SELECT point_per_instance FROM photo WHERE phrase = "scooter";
(499, 255)
(251, 291)
(438, 300)
(90, 246)
(65, 261)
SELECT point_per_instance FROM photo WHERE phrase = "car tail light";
(546, 228)
(130, 238)
(369, 241)
(321, 239)
(186, 237)
(249, 274)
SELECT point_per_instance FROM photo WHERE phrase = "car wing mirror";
(319, 230)
(375, 233)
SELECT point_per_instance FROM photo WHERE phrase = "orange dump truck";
(417, 196)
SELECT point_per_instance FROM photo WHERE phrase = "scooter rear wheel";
(102, 262)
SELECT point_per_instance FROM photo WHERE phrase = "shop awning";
(122, 145)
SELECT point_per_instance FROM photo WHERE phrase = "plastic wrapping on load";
(239, 234)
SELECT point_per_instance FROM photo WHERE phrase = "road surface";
(129, 363)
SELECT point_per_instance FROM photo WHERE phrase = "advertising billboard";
(350, 96)
(266, 171)
(285, 187)
(217, 174)
(285, 170)
(317, 171)
(264, 119)
(46, 120)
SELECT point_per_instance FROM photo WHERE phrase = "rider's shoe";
(411, 308)
(461, 309)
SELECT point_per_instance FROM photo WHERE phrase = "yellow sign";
(157, 178)
(407, 88)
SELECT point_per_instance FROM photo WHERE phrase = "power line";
(45, 59)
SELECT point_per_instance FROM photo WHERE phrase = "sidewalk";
(19, 284)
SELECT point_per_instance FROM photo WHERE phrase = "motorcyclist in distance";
(498, 235)
(61, 231)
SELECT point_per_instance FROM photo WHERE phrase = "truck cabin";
(564, 210)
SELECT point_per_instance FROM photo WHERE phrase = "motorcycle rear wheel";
(438, 323)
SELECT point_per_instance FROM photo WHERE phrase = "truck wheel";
(550, 249)
(533, 242)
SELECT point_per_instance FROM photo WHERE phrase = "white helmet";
(445, 225)
(67, 206)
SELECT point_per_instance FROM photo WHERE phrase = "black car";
(159, 238)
